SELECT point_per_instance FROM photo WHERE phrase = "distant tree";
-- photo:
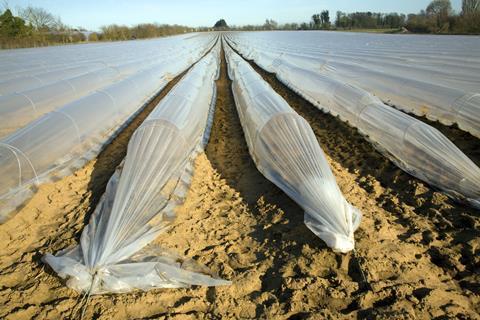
(40, 19)
(316, 21)
(439, 7)
(11, 26)
(220, 24)
(325, 19)
(440, 10)
(342, 20)
(320, 20)
(393, 20)
(270, 24)
(338, 19)
(469, 21)
(304, 26)
(437, 18)
(418, 23)
(116, 32)
(289, 26)
(470, 6)
(93, 36)
(145, 30)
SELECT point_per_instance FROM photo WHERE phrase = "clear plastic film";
(64, 139)
(414, 146)
(20, 63)
(114, 254)
(286, 151)
(38, 80)
(19, 108)
(443, 87)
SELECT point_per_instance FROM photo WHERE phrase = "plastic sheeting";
(286, 151)
(452, 61)
(19, 63)
(23, 83)
(19, 108)
(413, 76)
(414, 146)
(114, 255)
(63, 140)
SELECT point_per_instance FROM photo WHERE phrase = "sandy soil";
(419, 250)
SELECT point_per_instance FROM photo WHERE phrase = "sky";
(92, 14)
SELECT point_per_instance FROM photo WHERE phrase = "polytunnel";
(440, 93)
(37, 80)
(64, 139)
(19, 108)
(436, 102)
(31, 61)
(286, 151)
(412, 145)
(460, 75)
(114, 254)
(430, 59)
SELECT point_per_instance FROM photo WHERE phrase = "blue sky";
(92, 14)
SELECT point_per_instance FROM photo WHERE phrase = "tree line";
(438, 17)
(35, 27)
(116, 32)
(32, 26)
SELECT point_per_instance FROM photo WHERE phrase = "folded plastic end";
(165, 272)
(77, 275)
(336, 241)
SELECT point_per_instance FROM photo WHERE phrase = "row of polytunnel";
(55, 116)
(422, 77)
(141, 196)
(411, 144)
(54, 139)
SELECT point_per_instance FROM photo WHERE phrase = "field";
(417, 247)
(387, 30)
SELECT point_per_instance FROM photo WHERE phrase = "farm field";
(406, 159)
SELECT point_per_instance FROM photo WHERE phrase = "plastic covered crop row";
(114, 254)
(436, 102)
(32, 61)
(447, 93)
(66, 138)
(414, 146)
(102, 57)
(27, 82)
(449, 61)
(18, 109)
(460, 75)
(286, 151)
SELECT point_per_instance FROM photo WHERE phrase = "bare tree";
(470, 6)
(439, 8)
(39, 18)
